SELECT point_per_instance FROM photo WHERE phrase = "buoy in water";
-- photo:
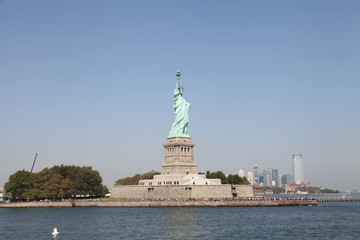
(55, 232)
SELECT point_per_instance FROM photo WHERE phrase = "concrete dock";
(166, 203)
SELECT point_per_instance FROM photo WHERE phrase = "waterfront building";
(297, 167)
(269, 192)
(294, 188)
(2, 193)
(287, 179)
(259, 192)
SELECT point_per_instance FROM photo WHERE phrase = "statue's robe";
(181, 122)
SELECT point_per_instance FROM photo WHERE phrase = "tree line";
(229, 179)
(57, 182)
(134, 180)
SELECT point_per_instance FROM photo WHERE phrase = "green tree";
(88, 182)
(218, 174)
(230, 179)
(56, 182)
(233, 179)
(18, 184)
(36, 194)
(53, 185)
(327, 190)
(80, 181)
(39, 179)
(105, 190)
(67, 188)
(134, 180)
(244, 181)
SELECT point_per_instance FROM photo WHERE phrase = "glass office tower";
(298, 172)
(256, 174)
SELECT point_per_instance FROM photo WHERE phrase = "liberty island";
(179, 184)
(179, 176)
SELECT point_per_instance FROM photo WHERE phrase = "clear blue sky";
(90, 83)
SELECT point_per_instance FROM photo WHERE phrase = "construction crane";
(34, 162)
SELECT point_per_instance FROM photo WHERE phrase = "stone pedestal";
(179, 167)
(179, 157)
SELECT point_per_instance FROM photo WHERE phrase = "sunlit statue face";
(181, 90)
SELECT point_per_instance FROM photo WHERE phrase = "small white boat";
(55, 232)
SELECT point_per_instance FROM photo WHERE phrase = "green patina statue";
(181, 107)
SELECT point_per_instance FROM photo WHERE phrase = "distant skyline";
(90, 83)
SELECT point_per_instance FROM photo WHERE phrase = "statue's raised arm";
(178, 74)
(181, 108)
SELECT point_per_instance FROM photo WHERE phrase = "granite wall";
(182, 191)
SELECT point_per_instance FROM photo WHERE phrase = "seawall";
(163, 203)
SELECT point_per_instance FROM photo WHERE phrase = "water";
(326, 221)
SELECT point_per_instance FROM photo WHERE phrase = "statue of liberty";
(181, 107)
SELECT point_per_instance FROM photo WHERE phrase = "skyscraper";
(287, 179)
(256, 174)
(275, 177)
(261, 179)
(298, 172)
(268, 177)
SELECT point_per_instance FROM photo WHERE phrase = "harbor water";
(330, 220)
